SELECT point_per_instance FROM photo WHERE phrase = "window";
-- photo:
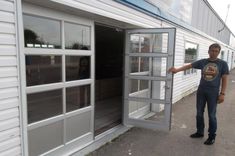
(43, 69)
(58, 79)
(77, 97)
(47, 69)
(141, 43)
(222, 55)
(77, 36)
(44, 105)
(191, 50)
(41, 32)
(141, 66)
(77, 67)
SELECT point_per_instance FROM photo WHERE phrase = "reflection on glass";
(146, 111)
(77, 97)
(133, 85)
(190, 52)
(77, 36)
(145, 47)
(158, 89)
(159, 66)
(149, 43)
(77, 67)
(222, 55)
(41, 32)
(157, 113)
(135, 42)
(45, 138)
(144, 84)
(138, 109)
(139, 64)
(160, 43)
(43, 69)
(178, 8)
(138, 85)
(141, 89)
(44, 105)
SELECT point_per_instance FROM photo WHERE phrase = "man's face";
(213, 53)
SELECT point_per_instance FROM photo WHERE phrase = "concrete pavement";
(143, 142)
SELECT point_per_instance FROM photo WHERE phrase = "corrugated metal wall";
(10, 144)
(204, 19)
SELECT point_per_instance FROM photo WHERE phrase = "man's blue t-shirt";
(211, 72)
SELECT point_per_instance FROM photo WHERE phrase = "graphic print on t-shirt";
(210, 71)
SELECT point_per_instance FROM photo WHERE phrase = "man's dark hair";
(215, 45)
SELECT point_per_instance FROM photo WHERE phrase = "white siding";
(186, 84)
(10, 143)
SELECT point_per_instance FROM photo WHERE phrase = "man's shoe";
(196, 135)
(209, 141)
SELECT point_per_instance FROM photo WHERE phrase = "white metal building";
(75, 74)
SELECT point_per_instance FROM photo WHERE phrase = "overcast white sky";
(221, 7)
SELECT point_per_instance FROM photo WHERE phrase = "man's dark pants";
(207, 96)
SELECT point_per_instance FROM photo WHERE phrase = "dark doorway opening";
(109, 45)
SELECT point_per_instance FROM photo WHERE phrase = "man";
(213, 71)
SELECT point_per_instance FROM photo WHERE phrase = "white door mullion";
(63, 79)
(62, 35)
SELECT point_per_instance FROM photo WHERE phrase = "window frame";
(63, 53)
(190, 71)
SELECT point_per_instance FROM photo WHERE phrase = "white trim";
(79, 111)
(42, 88)
(45, 122)
(58, 118)
(21, 78)
(53, 14)
(92, 86)
(71, 147)
(41, 51)
(78, 83)
(54, 86)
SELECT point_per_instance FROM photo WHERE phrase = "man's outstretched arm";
(176, 70)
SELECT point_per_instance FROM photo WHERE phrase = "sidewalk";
(143, 142)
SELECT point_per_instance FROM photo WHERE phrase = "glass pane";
(43, 69)
(141, 89)
(144, 84)
(135, 86)
(45, 138)
(77, 36)
(77, 97)
(190, 52)
(146, 111)
(44, 105)
(78, 125)
(159, 66)
(158, 89)
(149, 43)
(139, 64)
(77, 67)
(160, 43)
(135, 43)
(41, 32)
